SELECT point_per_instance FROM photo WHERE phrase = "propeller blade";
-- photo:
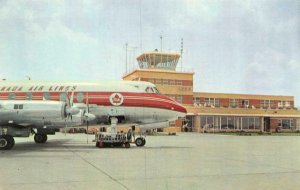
(72, 98)
(87, 103)
(87, 132)
(86, 115)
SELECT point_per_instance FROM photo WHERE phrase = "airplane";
(136, 102)
(19, 118)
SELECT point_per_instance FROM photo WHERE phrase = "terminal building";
(214, 112)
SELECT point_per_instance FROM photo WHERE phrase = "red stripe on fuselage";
(131, 99)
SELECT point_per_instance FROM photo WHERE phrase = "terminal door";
(267, 124)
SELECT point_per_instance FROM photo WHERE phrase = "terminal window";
(286, 123)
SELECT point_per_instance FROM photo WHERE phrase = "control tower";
(159, 68)
(158, 60)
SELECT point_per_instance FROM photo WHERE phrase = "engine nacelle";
(34, 113)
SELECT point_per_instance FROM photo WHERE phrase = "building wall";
(177, 85)
(243, 101)
(229, 111)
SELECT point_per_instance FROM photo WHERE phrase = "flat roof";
(159, 71)
(159, 56)
(241, 96)
(280, 113)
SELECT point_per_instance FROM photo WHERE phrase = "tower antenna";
(161, 38)
(141, 41)
(126, 46)
(181, 52)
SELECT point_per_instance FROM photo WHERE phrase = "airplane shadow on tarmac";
(64, 145)
(50, 146)
(166, 147)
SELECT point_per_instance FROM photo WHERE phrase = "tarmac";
(184, 161)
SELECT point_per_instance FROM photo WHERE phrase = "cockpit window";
(149, 90)
(156, 90)
(152, 90)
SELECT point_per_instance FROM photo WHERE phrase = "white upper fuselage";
(134, 101)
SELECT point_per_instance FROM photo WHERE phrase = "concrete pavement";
(185, 161)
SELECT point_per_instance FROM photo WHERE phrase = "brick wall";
(273, 124)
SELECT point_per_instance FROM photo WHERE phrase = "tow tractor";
(117, 139)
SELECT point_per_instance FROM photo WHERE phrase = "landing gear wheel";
(3, 143)
(45, 138)
(140, 141)
(40, 138)
(6, 142)
(11, 142)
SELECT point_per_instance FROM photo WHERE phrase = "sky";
(233, 46)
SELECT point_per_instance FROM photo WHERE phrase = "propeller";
(87, 115)
(87, 110)
(70, 109)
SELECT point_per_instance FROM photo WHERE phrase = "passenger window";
(21, 106)
(28, 96)
(80, 97)
(46, 96)
(63, 97)
(12, 96)
(16, 106)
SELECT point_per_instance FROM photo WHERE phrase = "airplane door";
(155, 116)
(16, 111)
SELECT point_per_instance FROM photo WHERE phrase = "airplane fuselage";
(129, 101)
(29, 105)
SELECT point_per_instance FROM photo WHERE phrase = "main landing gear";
(40, 138)
(7, 142)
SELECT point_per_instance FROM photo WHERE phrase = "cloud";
(273, 72)
(234, 46)
(46, 43)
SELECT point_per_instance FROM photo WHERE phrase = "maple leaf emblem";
(116, 99)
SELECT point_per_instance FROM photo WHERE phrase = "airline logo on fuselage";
(116, 99)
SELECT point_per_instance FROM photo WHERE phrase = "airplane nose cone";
(182, 112)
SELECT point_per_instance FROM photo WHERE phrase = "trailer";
(113, 139)
(118, 139)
